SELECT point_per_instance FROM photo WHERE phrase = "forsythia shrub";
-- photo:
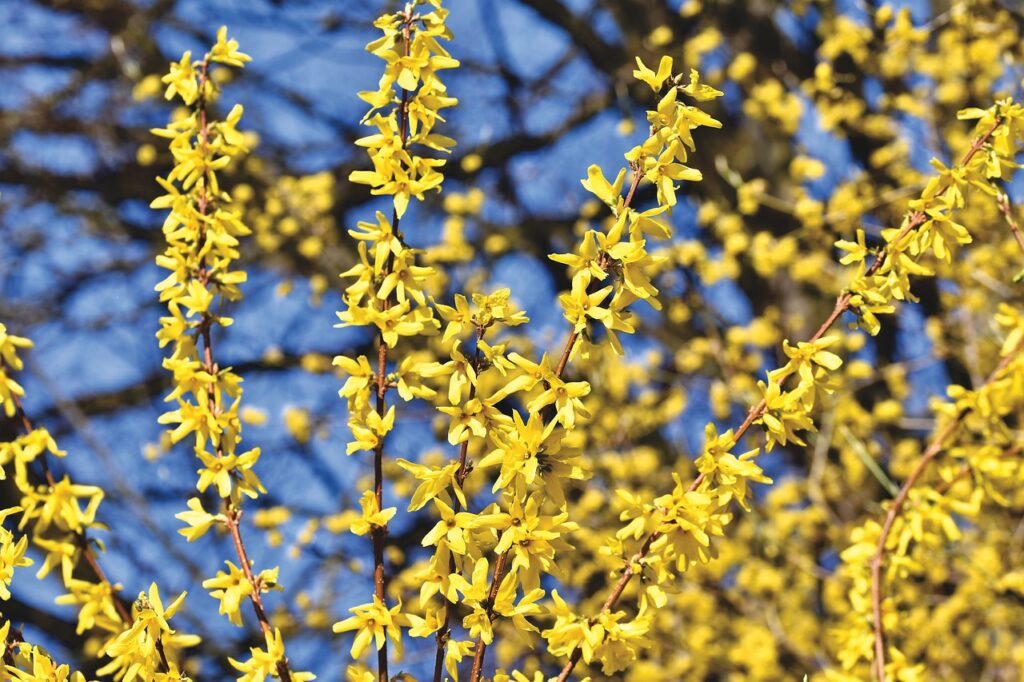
(514, 551)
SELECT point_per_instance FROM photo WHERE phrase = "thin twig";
(1003, 201)
(81, 536)
(444, 633)
(379, 533)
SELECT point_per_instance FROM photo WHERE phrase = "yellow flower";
(135, 650)
(579, 305)
(460, 371)
(474, 594)
(198, 520)
(451, 529)
(654, 80)
(566, 396)
(96, 605)
(232, 587)
(609, 193)
(533, 373)
(59, 506)
(369, 430)
(263, 662)
(181, 80)
(12, 555)
(435, 482)
(9, 388)
(375, 623)
(372, 517)
(226, 51)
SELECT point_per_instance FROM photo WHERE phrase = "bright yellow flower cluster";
(10, 390)
(414, 56)
(527, 428)
(493, 561)
(202, 230)
(566, 476)
(930, 226)
(682, 521)
(28, 663)
(58, 515)
(621, 250)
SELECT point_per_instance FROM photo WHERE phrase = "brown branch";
(8, 655)
(914, 220)
(1003, 201)
(81, 536)
(965, 469)
(82, 539)
(492, 593)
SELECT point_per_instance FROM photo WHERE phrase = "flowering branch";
(865, 298)
(878, 560)
(387, 293)
(934, 448)
(202, 232)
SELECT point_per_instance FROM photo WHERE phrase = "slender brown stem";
(566, 352)
(81, 537)
(481, 646)
(573, 334)
(890, 519)
(378, 534)
(914, 220)
(12, 641)
(1003, 201)
(94, 565)
(14, 638)
(234, 516)
(965, 468)
(163, 654)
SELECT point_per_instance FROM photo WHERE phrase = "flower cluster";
(621, 250)
(677, 526)
(930, 225)
(58, 515)
(493, 562)
(414, 56)
(567, 489)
